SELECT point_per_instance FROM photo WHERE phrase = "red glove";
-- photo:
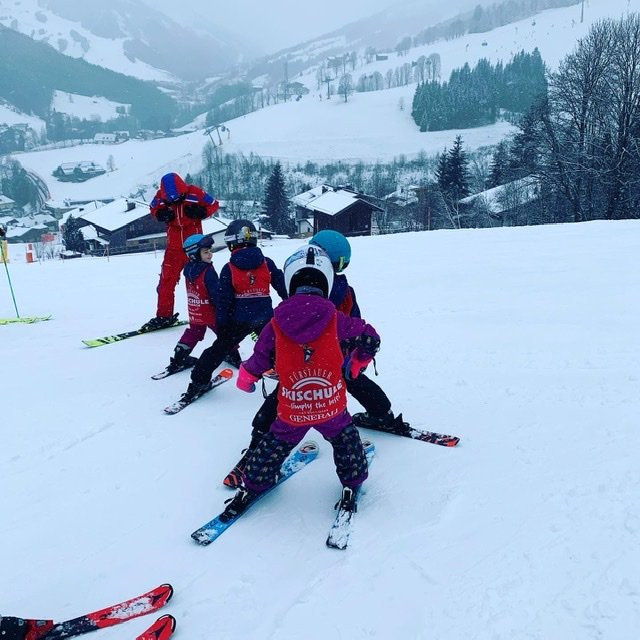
(246, 381)
(356, 362)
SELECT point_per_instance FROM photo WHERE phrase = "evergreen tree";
(499, 171)
(455, 178)
(73, 238)
(277, 206)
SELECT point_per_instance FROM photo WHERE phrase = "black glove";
(165, 214)
(195, 211)
(369, 345)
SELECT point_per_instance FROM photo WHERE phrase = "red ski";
(49, 630)
(161, 629)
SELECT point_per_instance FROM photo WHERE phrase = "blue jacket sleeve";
(212, 282)
(355, 309)
(226, 297)
(277, 279)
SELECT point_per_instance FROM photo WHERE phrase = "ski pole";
(4, 259)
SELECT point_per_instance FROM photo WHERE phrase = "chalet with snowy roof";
(339, 208)
(26, 234)
(126, 226)
(509, 204)
(77, 171)
(6, 204)
(105, 138)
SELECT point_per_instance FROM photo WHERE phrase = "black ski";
(99, 342)
(170, 370)
(401, 428)
(176, 407)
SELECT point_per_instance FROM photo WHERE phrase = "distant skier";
(202, 299)
(303, 339)
(182, 207)
(3, 233)
(378, 414)
(244, 303)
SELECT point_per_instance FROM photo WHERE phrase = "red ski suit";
(182, 207)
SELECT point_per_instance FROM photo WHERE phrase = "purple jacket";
(303, 318)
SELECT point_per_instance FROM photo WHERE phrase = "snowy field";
(521, 341)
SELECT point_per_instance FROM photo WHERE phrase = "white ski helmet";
(309, 266)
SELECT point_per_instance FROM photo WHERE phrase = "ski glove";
(246, 381)
(356, 362)
(165, 214)
(195, 211)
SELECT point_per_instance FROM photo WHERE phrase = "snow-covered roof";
(78, 211)
(403, 196)
(114, 215)
(4, 200)
(43, 217)
(304, 198)
(16, 232)
(506, 196)
(333, 202)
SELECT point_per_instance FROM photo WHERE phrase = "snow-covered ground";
(87, 107)
(522, 341)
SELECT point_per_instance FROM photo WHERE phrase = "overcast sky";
(276, 24)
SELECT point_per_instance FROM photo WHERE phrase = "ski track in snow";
(521, 341)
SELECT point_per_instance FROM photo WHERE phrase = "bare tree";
(345, 87)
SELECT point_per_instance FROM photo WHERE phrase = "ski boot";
(347, 501)
(233, 358)
(159, 322)
(238, 504)
(181, 358)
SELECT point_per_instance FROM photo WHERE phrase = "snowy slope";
(73, 40)
(369, 127)
(522, 341)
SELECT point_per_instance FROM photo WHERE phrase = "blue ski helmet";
(195, 242)
(336, 245)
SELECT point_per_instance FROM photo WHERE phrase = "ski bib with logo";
(201, 311)
(251, 283)
(312, 389)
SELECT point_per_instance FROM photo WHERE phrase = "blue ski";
(299, 458)
(341, 529)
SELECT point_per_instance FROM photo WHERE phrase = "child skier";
(303, 339)
(378, 414)
(202, 299)
(244, 303)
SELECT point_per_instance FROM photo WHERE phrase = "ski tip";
(161, 629)
(226, 373)
(310, 446)
(169, 588)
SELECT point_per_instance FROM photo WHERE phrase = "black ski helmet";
(241, 233)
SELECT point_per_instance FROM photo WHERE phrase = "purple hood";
(304, 317)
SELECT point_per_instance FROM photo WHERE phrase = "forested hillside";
(30, 71)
